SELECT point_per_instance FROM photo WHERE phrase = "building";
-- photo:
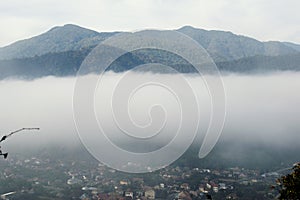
(150, 194)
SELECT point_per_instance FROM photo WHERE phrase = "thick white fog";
(259, 108)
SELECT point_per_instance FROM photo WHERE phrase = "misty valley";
(185, 114)
(251, 153)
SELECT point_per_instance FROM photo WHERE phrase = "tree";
(290, 184)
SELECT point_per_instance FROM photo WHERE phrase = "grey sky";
(261, 19)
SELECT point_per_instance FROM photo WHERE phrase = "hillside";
(61, 50)
(67, 64)
(225, 46)
(58, 39)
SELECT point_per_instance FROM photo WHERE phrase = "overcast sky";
(261, 19)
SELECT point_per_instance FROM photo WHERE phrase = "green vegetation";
(290, 184)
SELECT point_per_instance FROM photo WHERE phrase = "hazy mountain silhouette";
(61, 50)
(58, 39)
(224, 46)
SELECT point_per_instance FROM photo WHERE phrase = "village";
(36, 178)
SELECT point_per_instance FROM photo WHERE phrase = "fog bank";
(263, 108)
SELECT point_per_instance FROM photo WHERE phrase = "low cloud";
(264, 108)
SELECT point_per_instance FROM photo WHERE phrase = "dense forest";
(67, 63)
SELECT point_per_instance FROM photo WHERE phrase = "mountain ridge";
(57, 39)
(61, 50)
(222, 45)
(232, 46)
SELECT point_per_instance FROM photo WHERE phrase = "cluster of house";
(147, 193)
(100, 182)
(175, 183)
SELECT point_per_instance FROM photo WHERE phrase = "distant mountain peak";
(188, 27)
(58, 39)
(71, 25)
(191, 28)
(67, 27)
(225, 45)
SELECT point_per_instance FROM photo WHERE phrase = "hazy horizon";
(259, 19)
